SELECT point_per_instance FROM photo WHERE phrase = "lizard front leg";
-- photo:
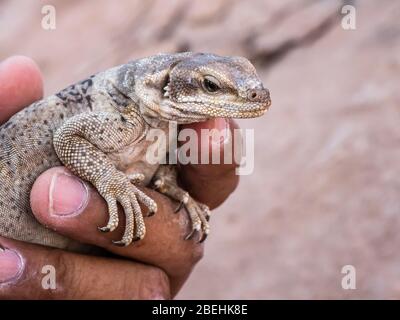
(82, 144)
(165, 181)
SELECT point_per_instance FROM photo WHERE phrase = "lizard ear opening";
(165, 86)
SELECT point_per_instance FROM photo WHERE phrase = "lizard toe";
(199, 215)
(120, 243)
(146, 200)
(112, 223)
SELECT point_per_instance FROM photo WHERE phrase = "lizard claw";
(104, 229)
(203, 238)
(183, 202)
(120, 243)
(151, 213)
(179, 207)
(191, 234)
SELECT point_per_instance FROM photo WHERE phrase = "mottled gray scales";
(96, 128)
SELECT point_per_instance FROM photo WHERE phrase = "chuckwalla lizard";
(93, 126)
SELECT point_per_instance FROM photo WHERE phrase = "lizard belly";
(133, 159)
(144, 156)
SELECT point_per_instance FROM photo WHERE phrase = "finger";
(21, 84)
(30, 271)
(63, 202)
(212, 183)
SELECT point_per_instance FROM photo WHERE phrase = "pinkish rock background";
(325, 191)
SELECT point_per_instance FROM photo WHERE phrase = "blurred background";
(325, 191)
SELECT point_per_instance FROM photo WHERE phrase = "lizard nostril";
(258, 95)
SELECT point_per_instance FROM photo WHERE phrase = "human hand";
(167, 258)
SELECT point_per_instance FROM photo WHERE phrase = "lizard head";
(203, 86)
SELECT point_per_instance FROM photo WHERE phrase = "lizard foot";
(121, 190)
(199, 213)
(137, 178)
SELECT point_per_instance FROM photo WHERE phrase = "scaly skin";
(94, 126)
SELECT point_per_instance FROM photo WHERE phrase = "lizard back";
(26, 152)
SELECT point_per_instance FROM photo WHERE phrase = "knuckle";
(155, 286)
(65, 271)
(197, 253)
(191, 256)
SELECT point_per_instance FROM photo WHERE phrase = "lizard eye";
(211, 84)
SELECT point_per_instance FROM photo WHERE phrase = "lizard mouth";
(232, 109)
(253, 110)
(230, 112)
(249, 114)
(250, 111)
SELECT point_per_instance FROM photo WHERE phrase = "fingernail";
(11, 265)
(68, 195)
(222, 125)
